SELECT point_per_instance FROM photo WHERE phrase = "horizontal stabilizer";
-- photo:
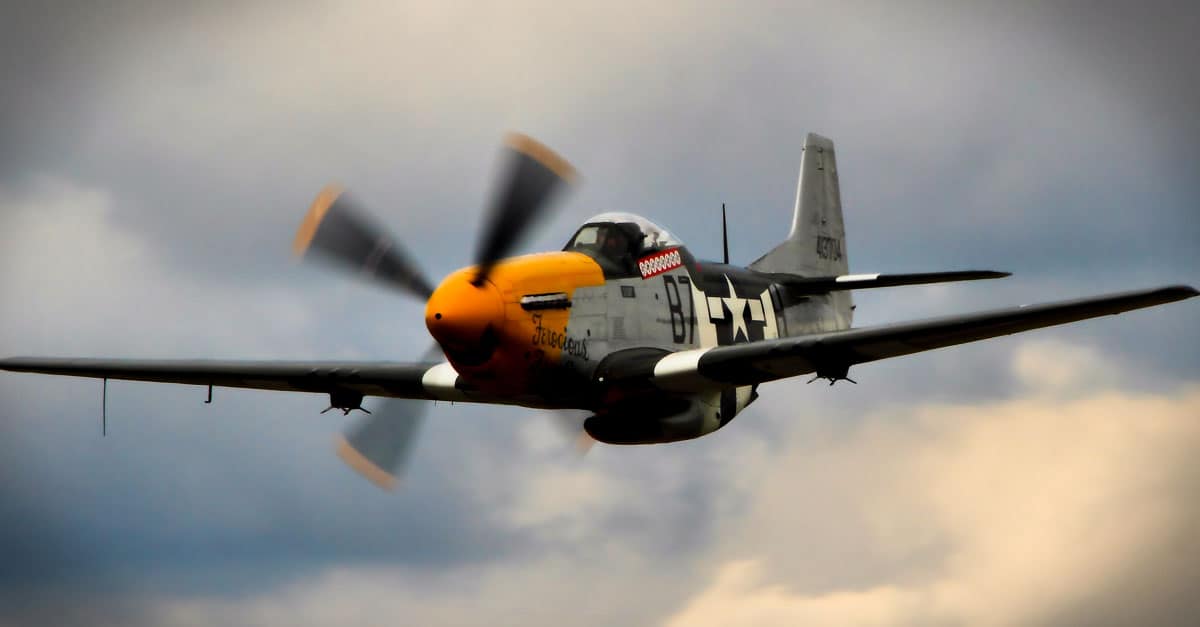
(801, 286)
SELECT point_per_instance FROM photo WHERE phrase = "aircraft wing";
(829, 355)
(425, 380)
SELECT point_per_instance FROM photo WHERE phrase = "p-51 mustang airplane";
(624, 322)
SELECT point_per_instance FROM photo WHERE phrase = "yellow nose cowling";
(461, 316)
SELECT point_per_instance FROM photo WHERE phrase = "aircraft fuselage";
(541, 328)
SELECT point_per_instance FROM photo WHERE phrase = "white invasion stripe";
(756, 310)
(439, 382)
(708, 330)
(771, 329)
(715, 309)
(679, 363)
(681, 372)
(851, 278)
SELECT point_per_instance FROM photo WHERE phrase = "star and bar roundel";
(733, 319)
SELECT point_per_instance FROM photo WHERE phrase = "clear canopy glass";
(645, 236)
(618, 240)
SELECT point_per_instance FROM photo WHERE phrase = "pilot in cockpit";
(616, 241)
(617, 249)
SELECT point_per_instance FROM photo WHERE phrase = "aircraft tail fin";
(816, 244)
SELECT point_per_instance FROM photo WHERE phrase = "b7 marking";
(683, 325)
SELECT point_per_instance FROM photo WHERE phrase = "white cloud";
(739, 595)
(1055, 367)
(547, 591)
(567, 502)
(1010, 512)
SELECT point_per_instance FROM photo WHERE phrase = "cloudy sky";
(154, 163)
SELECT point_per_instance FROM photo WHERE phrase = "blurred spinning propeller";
(340, 232)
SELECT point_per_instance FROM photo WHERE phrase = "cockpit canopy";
(617, 240)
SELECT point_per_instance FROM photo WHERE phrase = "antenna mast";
(724, 234)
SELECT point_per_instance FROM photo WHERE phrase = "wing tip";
(1180, 292)
(363, 466)
(312, 219)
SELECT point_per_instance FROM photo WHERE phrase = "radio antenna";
(724, 234)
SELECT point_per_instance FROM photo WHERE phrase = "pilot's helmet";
(633, 235)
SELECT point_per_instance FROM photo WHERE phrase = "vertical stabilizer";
(816, 244)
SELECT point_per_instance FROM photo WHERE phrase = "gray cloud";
(1003, 114)
(155, 163)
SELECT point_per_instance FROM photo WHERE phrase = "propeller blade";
(379, 444)
(338, 229)
(534, 173)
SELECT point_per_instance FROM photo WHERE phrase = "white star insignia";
(737, 308)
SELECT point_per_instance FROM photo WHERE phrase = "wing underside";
(830, 355)
(420, 380)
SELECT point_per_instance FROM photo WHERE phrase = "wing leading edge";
(830, 355)
(420, 380)
(826, 354)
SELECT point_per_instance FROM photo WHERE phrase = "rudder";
(816, 244)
